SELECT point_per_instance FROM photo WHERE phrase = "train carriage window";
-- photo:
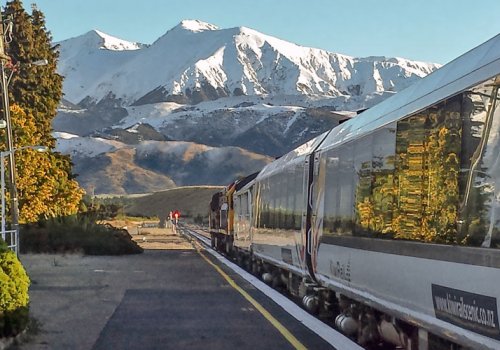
(287, 201)
(284, 202)
(274, 202)
(297, 190)
(266, 204)
(374, 167)
(281, 202)
(347, 176)
(262, 219)
(426, 174)
(223, 216)
(332, 195)
(383, 158)
(236, 207)
(248, 204)
(243, 204)
(339, 191)
(479, 223)
(364, 213)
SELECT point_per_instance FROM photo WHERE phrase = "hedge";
(14, 284)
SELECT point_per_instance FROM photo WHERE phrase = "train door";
(317, 201)
(314, 184)
(249, 215)
(314, 215)
(306, 214)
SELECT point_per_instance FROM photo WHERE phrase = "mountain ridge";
(228, 62)
(247, 97)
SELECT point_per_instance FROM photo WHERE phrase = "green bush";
(14, 284)
(76, 233)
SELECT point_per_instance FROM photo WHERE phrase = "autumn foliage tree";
(46, 186)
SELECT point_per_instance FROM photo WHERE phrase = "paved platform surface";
(161, 299)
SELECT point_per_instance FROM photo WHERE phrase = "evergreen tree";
(45, 184)
(36, 89)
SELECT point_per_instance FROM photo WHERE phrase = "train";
(389, 223)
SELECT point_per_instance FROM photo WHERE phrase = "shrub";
(76, 233)
(14, 284)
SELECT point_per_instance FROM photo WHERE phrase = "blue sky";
(424, 30)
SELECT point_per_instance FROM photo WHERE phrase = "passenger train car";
(390, 222)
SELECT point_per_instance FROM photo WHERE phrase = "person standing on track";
(176, 217)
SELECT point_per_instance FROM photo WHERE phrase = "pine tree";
(37, 89)
(45, 184)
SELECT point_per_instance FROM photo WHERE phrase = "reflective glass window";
(339, 190)
(479, 221)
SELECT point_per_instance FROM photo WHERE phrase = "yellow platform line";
(285, 332)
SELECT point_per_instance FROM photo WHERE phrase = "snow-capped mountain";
(197, 61)
(222, 88)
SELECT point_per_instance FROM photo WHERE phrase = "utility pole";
(4, 58)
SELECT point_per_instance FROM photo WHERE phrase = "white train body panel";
(403, 286)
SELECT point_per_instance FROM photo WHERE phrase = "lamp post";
(10, 151)
(13, 233)
(10, 148)
(4, 82)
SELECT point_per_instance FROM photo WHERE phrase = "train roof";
(299, 154)
(247, 179)
(464, 72)
(246, 186)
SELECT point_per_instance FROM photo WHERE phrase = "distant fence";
(149, 225)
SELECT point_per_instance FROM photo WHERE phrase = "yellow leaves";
(43, 183)
(365, 210)
(14, 282)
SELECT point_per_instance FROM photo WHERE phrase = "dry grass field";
(191, 201)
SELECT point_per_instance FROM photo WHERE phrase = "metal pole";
(10, 149)
(2, 180)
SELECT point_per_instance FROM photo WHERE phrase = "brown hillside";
(191, 201)
(116, 172)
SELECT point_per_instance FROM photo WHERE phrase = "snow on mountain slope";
(86, 58)
(197, 61)
(78, 146)
(167, 114)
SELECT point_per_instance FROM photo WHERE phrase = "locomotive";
(388, 223)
